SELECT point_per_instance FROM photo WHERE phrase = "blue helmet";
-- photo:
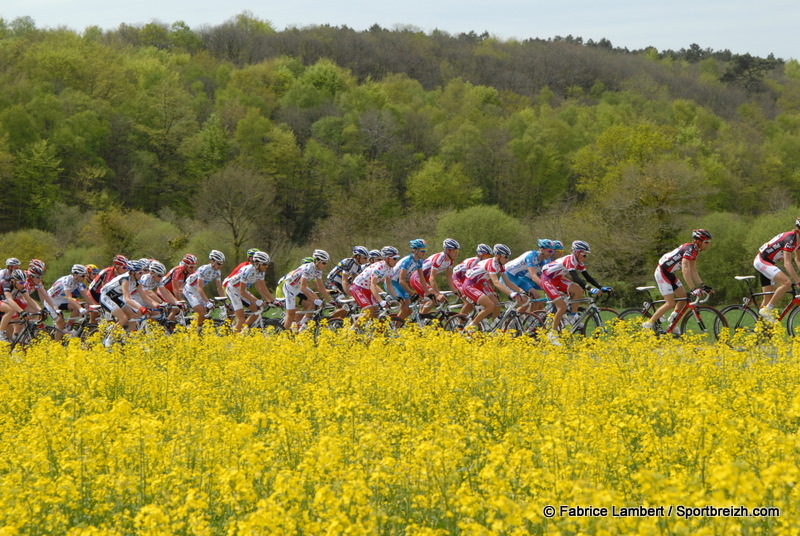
(360, 250)
(389, 251)
(557, 245)
(418, 243)
(375, 254)
(545, 243)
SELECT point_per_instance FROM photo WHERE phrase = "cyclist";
(33, 284)
(62, 295)
(483, 252)
(176, 277)
(771, 275)
(151, 281)
(444, 260)
(194, 291)
(119, 265)
(117, 298)
(558, 287)
(402, 272)
(684, 258)
(365, 287)
(296, 285)
(237, 283)
(481, 281)
(345, 270)
(14, 300)
(11, 265)
(526, 269)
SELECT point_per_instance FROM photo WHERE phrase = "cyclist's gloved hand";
(513, 295)
(259, 303)
(317, 302)
(142, 310)
(608, 289)
(383, 304)
(697, 291)
(594, 291)
(82, 311)
(708, 289)
(209, 305)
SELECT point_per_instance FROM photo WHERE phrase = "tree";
(238, 198)
(438, 185)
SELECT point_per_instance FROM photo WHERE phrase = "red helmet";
(121, 261)
(189, 260)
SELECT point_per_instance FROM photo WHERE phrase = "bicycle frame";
(649, 307)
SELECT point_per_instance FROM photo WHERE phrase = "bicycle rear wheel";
(701, 321)
(633, 314)
(594, 325)
(456, 323)
(270, 326)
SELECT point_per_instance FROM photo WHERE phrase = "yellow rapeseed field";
(426, 433)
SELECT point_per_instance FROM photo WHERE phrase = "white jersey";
(246, 276)
(114, 287)
(481, 270)
(379, 269)
(201, 277)
(147, 282)
(307, 270)
(65, 286)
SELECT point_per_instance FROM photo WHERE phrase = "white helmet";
(259, 257)
(156, 268)
(321, 255)
(216, 256)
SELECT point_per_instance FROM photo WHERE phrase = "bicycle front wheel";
(793, 322)
(741, 320)
(594, 325)
(456, 322)
(701, 320)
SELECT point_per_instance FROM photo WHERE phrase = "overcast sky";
(741, 26)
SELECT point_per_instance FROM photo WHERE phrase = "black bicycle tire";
(690, 321)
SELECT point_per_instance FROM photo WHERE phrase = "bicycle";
(440, 314)
(508, 321)
(744, 317)
(589, 321)
(694, 319)
(32, 327)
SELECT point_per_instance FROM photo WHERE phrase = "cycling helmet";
(92, 269)
(36, 271)
(252, 251)
(389, 251)
(121, 261)
(502, 249)
(13, 261)
(135, 266)
(375, 254)
(360, 250)
(545, 243)
(260, 257)
(37, 262)
(701, 234)
(78, 269)
(145, 263)
(418, 243)
(189, 260)
(156, 268)
(797, 223)
(321, 255)
(216, 256)
(449, 243)
(484, 249)
(306, 260)
(580, 245)
(558, 245)
(17, 275)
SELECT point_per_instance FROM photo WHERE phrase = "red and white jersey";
(378, 269)
(671, 262)
(438, 261)
(462, 267)
(245, 274)
(32, 286)
(64, 286)
(773, 250)
(562, 266)
(177, 274)
(481, 270)
(307, 270)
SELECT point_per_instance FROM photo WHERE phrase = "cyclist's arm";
(787, 263)
(13, 304)
(263, 291)
(220, 289)
(387, 282)
(346, 284)
(88, 298)
(45, 297)
(449, 276)
(322, 290)
(503, 283)
(433, 285)
(403, 279)
(167, 296)
(126, 296)
(689, 269)
(533, 276)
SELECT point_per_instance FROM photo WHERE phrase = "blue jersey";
(409, 263)
(529, 259)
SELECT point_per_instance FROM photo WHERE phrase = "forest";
(159, 139)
